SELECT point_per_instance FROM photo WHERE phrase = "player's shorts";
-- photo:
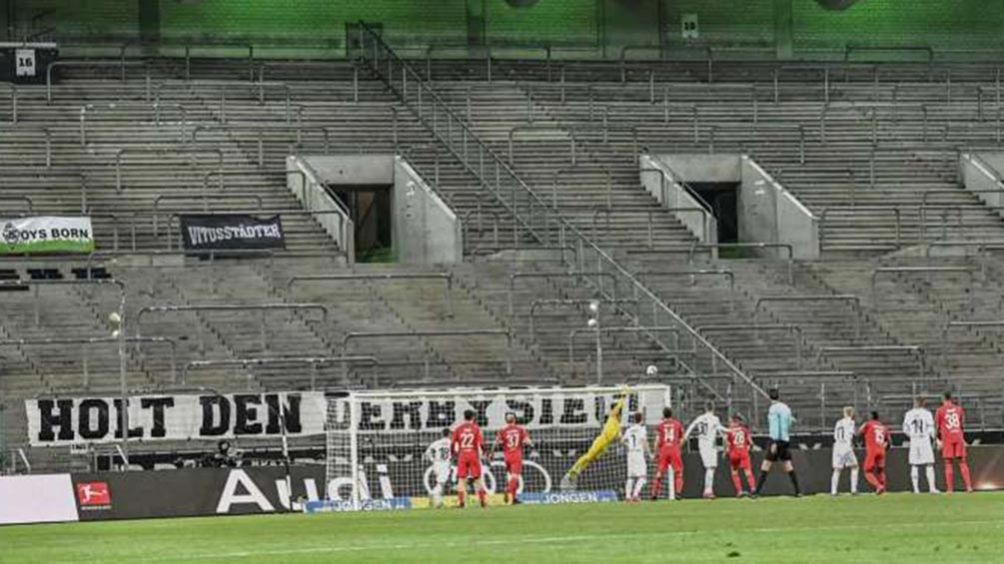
(514, 465)
(740, 461)
(468, 467)
(441, 472)
(781, 451)
(874, 460)
(921, 452)
(709, 457)
(636, 466)
(953, 448)
(670, 457)
(844, 457)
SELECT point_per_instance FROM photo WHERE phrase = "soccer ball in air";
(652, 370)
(114, 318)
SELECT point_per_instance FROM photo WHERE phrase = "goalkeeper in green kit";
(610, 433)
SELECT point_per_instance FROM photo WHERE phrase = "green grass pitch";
(907, 528)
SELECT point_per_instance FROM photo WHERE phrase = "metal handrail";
(173, 343)
(240, 308)
(513, 276)
(85, 63)
(904, 269)
(624, 51)
(796, 332)
(953, 324)
(534, 203)
(914, 349)
(434, 333)
(480, 212)
(851, 47)
(696, 246)
(24, 199)
(144, 151)
(570, 302)
(667, 173)
(895, 211)
(536, 127)
(314, 362)
(122, 327)
(47, 133)
(855, 300)
(210, 255)
(385, 277)
(628, 329)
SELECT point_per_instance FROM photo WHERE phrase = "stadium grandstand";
(258, 223)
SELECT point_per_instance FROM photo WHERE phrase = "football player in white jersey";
(439, 454)
(708, 427)
(918, 424)
(843, 451)
(635, 439)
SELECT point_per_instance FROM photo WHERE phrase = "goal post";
(381, 445)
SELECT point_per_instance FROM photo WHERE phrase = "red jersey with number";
(737, 439)
(467, 440)
(876, 436)
(669, 434)
(512, 437)
(950, 420)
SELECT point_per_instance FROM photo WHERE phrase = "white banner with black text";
(78, 420)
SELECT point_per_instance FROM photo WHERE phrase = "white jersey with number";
(843, 444)
(918, 424)
(635, 439)
(439, 454)
(707, 427)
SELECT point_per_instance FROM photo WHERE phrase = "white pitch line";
(567, 539)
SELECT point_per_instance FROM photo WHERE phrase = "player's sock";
(931, 486)
(881, 478)
(709, 481)
(511, 488)
(794, 482)
(656, 487)
(915, 478)
(737, 483)
(628, 489)
(854, 480)
(437, 495)
(872, 479)
(481, 498)
(677, 484)
(964, 470)
(834, 481)
(749, 480)
(460, 497)
(760, 481)
(949, 476)
(638, 485)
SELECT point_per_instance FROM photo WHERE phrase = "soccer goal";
(389, 449)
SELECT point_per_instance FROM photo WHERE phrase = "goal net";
(379, 455)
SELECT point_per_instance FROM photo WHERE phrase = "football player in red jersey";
(669, 436)
(877, 440)
(512, 437)
(738, 441)
(468, 444)
(951, 422)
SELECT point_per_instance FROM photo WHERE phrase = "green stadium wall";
(585, 28)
